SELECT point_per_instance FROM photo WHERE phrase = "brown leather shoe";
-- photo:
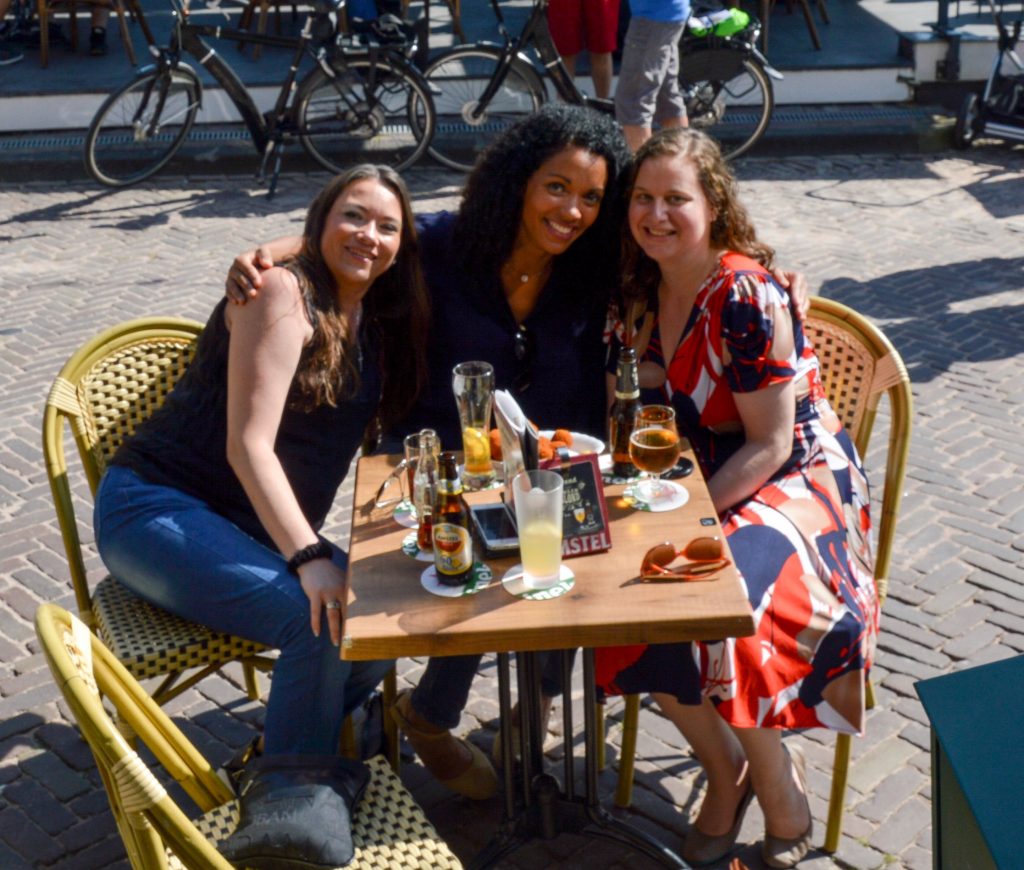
(478, 781)
(701, 849)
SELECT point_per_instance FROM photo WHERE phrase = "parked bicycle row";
(377, 96)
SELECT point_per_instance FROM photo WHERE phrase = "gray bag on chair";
(296, 813)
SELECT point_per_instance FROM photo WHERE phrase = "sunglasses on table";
(704, 555)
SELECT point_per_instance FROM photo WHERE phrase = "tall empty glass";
(473, 385)
(538, 501)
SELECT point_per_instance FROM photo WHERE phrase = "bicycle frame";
(188, 37)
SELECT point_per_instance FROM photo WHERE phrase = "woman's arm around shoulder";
(245, 275)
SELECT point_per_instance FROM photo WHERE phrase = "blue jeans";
(174, 551)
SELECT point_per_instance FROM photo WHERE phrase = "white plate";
(580, 443)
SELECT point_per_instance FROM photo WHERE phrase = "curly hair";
(731, 229)
(396, 310)
(492, 200)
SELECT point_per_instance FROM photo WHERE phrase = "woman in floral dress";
(728, 354)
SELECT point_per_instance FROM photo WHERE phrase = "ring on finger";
(333, 605)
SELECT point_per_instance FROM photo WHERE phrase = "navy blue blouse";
(557, 376)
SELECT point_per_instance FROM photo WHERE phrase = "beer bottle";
(424, 488)
(453, 547)
(624, 408)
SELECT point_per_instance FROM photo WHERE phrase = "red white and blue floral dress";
(801, 543)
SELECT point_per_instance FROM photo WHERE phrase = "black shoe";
(98, 42)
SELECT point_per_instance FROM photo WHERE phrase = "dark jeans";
(443, 690)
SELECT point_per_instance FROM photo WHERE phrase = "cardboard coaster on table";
(411, 548)
(481, 578)
(679, 497)
(405, 514)
(515, 584)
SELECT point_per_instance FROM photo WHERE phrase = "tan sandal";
(479, 781)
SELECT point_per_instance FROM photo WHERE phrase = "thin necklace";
(525, 277)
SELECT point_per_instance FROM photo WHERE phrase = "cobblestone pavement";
(931, 247)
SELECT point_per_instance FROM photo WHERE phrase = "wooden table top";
(388, 613)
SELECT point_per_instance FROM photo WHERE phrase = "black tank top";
(184, 443)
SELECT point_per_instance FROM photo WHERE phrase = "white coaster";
(405, 514)
(411, 548)
(515, 584)
(677, 497)
(481, 578)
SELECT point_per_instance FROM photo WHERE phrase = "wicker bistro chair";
(859, 365)
(389, 828)
(115, 381)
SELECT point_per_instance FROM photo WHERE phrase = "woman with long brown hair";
(211, 509)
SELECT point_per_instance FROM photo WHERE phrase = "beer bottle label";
(453, 550)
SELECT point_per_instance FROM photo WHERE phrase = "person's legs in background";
(670, 108)
(649, 56)
(98, 29)
(593, 24)
(8, 53)
(601, 22)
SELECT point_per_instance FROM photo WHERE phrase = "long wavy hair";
(395, 310)
(492, 200)
(731, 229)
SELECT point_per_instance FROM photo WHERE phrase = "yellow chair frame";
(109, 386)
(389, 828)
(859, 365)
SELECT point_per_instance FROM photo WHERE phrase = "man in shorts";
(590, 24)
(648, 91)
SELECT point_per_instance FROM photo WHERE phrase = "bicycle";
(357, 104)
(999, 109)
(482, 88)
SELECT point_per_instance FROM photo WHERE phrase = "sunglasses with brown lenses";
(704, 555)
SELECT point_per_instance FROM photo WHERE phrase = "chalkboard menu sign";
(585, 520)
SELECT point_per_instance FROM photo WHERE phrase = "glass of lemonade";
(538, 502)
(473, 385)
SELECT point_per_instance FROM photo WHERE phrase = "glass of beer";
(473, 385)
(654, 448)
(538, 501)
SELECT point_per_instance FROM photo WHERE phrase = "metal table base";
(539, 806)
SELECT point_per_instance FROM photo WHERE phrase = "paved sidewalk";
(931, 247)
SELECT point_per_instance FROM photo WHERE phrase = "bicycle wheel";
(141, 126)
(374, 110)
(457, 79)
(728, 96)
